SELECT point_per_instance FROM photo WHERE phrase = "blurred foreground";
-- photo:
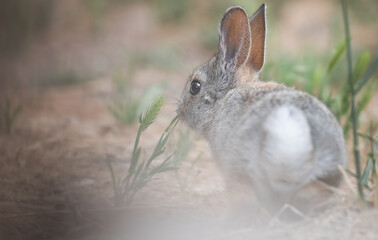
(66, 63)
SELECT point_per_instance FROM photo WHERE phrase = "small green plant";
(357, 79)
(9, 114)
(141, 171)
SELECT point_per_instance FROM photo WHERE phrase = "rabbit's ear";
(234, 38)
(258, 32)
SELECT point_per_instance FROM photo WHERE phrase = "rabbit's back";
(265, 130)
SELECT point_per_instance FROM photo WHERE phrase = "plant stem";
(354, 116)
(134, 154)
(137, 141)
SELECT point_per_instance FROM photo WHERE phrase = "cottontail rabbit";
(281, 139)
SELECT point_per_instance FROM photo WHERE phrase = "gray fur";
(230, 111)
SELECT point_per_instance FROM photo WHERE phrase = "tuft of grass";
(141, 171)
(9, 114)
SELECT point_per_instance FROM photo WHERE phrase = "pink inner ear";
(235, 36)
(258, 31)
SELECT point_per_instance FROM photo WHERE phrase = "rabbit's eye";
(195, 87)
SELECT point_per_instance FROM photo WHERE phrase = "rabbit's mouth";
(180, 111)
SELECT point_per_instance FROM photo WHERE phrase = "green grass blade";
(361, 65)
(159, 148)
(172, 124)
(372, 69)
(370, 165)
(345, 100)
(134, 160)
(366, 137)
(340, 50)
(354, 115)
(137, 175)
(373, 154)
(366, 173)
(136, 152)
(351, 173)
(163, 167)
(365, 99)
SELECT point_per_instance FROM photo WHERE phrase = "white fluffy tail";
(287, 148)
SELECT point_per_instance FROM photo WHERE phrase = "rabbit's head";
(238, 62)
